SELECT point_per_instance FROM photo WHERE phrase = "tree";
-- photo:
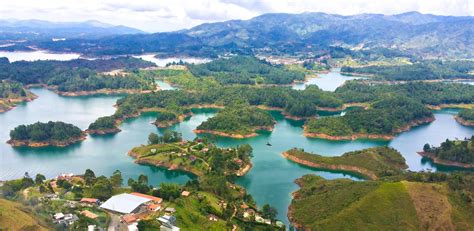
(426, 148)
(39, 179)
(89, 177)
(153, 138)
(116, 179)
(169, 190)
(143, 179)
(269, 212)
(102, 189)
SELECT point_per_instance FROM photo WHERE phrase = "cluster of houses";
(133, 207)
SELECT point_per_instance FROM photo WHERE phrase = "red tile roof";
(156, 199)
(129, 218)
(89, 200)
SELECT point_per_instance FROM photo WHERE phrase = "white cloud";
(159, 15)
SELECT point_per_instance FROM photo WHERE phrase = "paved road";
(115, 224)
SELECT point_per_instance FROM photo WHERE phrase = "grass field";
(381, 161)
(13, 216)
(348, 205)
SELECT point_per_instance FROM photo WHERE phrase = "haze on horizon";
(159, 16)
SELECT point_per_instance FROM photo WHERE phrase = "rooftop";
(124, 203)
(156, 199)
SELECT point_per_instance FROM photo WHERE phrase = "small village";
(71, 202)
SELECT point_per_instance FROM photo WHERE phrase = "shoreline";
(165, 124)
(12, 103)
(161, 164)
(452, 105)
(464, 122)
(91, 93)
(34, 144)
(223, 134)
(347, 168)
(385, 137)
(439, 161)
(103, 131)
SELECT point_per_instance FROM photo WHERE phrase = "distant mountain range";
(414, 33)
(46, 30)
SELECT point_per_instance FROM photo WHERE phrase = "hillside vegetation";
(239, 119)
(13, 216)
(424, 70)
(246, 70)
(372, 163)
(388, 116)
(435, 201)
(452, 152)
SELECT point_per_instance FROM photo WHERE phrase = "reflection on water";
(37, 55)
(269, 181)
(161, 62)
(327, 81)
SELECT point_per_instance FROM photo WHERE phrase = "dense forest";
(461, 151)
(427, 93)
(103, 123)
(383, 117)
(11, 89)
(293, 102)
(45, 132)
(245, 70)
(78, 74)
(423, 70)
(239, 119)
(467, 114)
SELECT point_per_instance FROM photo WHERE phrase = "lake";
(37, 55)
(326, 81)
(270, 180)
(161, 62)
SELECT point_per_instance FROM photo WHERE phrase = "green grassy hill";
(14, 216)
(371, 163)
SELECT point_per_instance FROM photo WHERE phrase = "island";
(458, 153)
(196, 157)
(237, 121)
(40, 134)
(168, 117)
(371, 163)
(12, 93)
(103, 125)
(465, 117)
(383, 120)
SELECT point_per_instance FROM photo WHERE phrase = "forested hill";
(420, 34)
(246, 70)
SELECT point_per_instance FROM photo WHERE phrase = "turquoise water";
(328, 81)
(164, 85)
(270, 180)
(37, 55)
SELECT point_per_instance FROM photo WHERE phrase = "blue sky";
(159, 15)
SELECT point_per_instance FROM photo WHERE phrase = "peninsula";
(458, 153)
(465, 117)
(40, 134)
(383, 120)
(371, 163)
(196, 157)
(12, 93)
